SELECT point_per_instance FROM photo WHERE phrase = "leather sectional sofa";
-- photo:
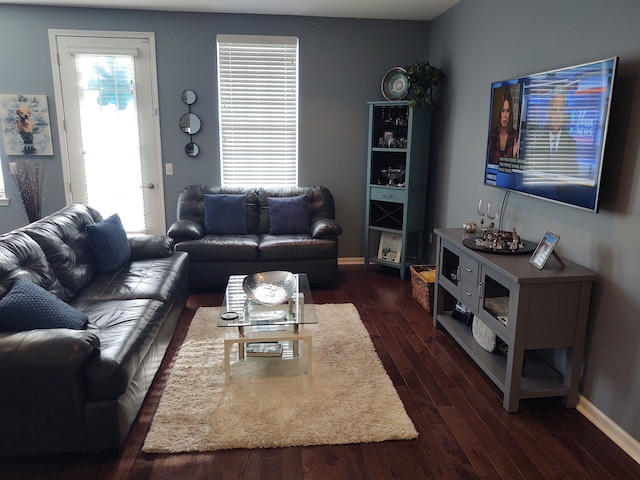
(65, 389)
(311, 249)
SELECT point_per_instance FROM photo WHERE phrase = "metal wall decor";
(190, 123)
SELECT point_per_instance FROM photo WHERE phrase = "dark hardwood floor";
(464, 431)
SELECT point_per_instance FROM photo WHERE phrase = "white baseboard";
(351, 261)
(621, 438)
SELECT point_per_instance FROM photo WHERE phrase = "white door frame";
(57, 86)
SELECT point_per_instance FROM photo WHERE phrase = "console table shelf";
(543, 325)
(541, 379)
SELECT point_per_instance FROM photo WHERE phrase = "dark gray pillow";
(225, 214)
(288, 215)
(28, 306)
(109, 244)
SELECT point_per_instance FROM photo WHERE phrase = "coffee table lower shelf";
(265, 337)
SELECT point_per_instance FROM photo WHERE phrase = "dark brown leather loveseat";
(213, 257)
(67, 389)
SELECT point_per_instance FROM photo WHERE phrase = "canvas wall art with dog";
(25, 124)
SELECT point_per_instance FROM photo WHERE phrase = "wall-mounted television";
(547, 133)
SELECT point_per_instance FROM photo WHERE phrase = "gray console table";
(542, 318)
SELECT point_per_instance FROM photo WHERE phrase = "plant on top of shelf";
(422, 78)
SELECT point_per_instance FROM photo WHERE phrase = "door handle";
(150, 186)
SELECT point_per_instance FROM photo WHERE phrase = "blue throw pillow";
(109, 244)
(288, 215)
(225, 214)
(28, 306)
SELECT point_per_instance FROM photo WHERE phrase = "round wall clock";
(395, 84)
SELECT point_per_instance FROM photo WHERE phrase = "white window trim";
(4, 200)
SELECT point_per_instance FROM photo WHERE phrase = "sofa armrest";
(325, 227)
(150, 246)
(43, 391)
(53, 348)
(186, 229)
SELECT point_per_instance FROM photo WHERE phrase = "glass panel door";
(109, 118)
(496, 302)
(108, 104)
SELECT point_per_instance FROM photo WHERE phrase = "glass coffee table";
(252, 322)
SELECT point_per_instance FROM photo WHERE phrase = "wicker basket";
(421, 289)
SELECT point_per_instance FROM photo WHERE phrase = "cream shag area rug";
(271, 402)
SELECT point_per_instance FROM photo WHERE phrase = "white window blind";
(108, 114)
(258, 110)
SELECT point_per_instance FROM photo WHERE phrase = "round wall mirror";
(192, 149)
(189, 97)
(190, 123)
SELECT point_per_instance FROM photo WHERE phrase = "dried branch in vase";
(29, 178)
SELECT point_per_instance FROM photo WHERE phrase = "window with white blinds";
(258, 110)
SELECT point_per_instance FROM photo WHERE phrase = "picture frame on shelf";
(544, 250)
(390, 248)
(388, 138)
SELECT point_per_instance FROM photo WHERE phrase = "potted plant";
(422, 78)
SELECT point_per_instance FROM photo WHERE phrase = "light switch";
(13, 168)
(168, 168)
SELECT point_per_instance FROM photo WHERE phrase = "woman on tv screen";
(503, 138)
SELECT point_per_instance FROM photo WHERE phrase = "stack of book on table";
(270, 349)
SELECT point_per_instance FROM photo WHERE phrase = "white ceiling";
(380, 9)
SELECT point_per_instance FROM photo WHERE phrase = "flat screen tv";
(547, 133)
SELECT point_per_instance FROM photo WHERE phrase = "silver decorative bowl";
(392, 174)
(269, 288)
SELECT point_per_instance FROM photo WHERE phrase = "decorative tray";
(499, 242)
(395, 84)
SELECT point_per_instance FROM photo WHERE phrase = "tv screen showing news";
(547, 133)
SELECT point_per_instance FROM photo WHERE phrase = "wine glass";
(482, 211)
(493, 212)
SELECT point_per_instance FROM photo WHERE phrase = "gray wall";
(480, 42)
(341, 64)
